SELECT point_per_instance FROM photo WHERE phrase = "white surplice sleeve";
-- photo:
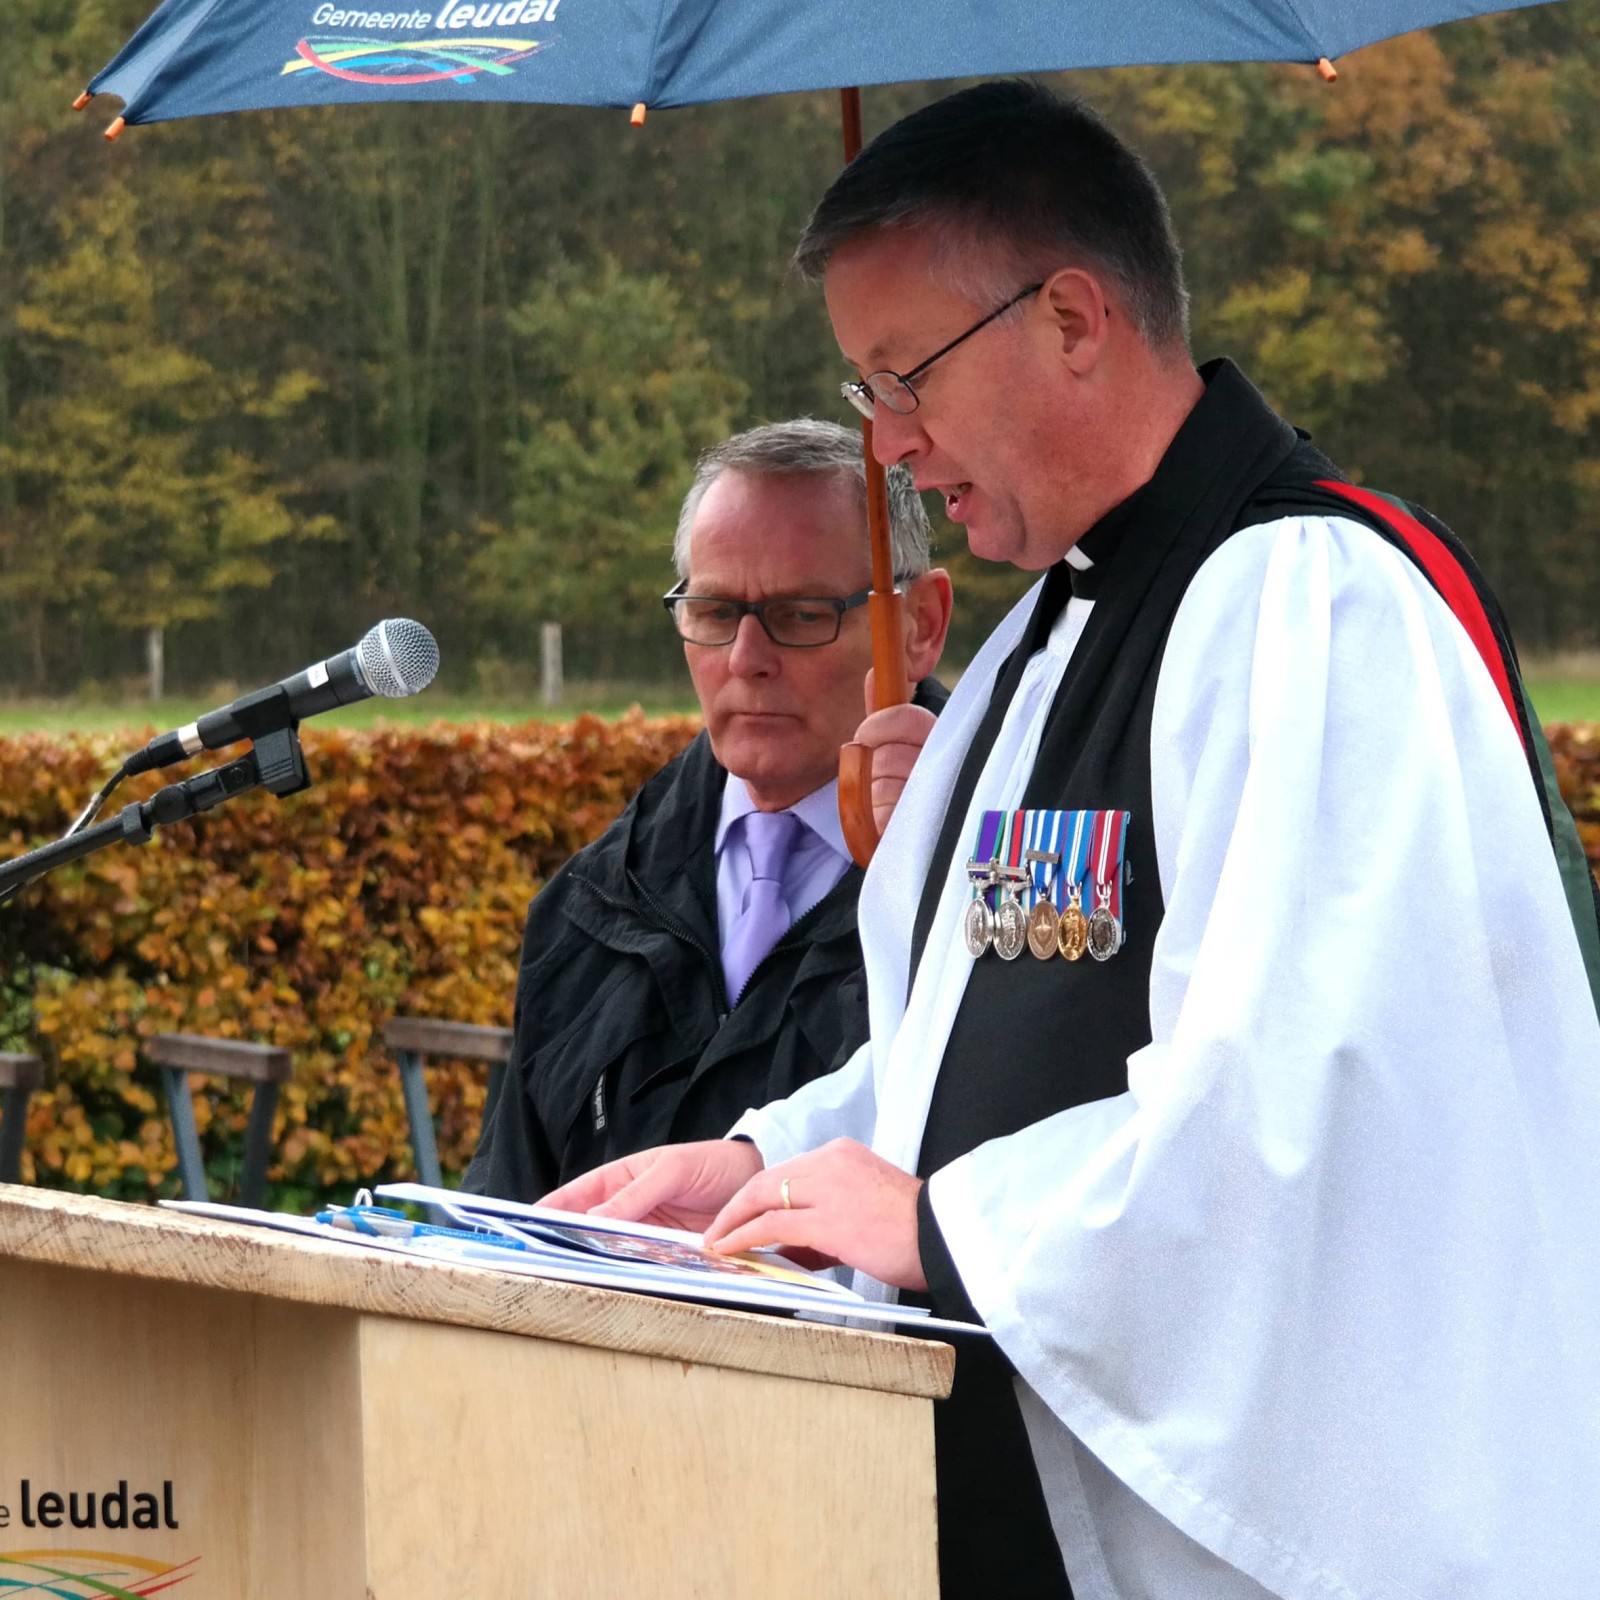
(1315, 1305)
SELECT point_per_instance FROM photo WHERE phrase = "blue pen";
(382, 1222)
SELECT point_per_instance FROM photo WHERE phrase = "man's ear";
(1080, 314)
(928, 601)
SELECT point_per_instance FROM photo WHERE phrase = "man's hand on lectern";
(840, 1202)
(895, 737)
(673, 1185)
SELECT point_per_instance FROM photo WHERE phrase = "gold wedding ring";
(783, 1189)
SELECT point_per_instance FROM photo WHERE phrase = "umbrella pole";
(885, 608)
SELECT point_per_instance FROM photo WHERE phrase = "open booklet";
(536, 1241)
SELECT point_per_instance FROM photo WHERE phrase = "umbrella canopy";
(197, 57)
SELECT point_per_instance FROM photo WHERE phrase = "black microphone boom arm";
(274, 763)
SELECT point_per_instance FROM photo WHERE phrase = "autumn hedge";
(396, 885)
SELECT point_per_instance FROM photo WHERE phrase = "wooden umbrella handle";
(855, 802)
(885, 608)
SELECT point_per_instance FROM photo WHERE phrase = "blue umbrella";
(196, 57)
(199, 57)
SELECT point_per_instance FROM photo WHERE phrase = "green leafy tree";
(1406, 261)
(135, 500)
(326, 316)
(622, 394)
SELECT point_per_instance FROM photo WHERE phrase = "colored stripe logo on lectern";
(88, 1575)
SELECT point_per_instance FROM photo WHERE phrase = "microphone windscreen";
(397, 657)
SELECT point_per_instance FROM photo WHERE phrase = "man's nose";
(752, 654)
(896, 436)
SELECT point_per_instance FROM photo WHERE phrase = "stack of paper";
(536, 1241)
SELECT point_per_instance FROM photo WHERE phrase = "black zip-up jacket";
(624, 1037)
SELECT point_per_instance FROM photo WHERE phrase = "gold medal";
(1044, 918)
(1072, 933)
(1043, 925)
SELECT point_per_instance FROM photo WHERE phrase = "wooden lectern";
(213, 1411)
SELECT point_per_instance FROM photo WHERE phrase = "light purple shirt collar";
(819, 810)
(819, 860)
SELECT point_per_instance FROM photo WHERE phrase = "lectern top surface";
(145, 1242)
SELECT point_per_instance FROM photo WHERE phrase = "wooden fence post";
(550, 684)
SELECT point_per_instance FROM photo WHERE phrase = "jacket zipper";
(790, 939)
(667, 923)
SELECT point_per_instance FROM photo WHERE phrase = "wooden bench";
(264, 1065)
(19, 1077)
(416, 1039)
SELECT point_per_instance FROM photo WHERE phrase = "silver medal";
(1010, 929)
(1105, 932)
(1010, 920)
(977, 928)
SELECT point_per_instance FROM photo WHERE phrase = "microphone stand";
(275, 763)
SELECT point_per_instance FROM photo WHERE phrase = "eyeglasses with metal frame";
(794, 622)
(897, 390)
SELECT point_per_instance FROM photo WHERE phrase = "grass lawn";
(1562, 692)
(137, 716)
(1566, 699)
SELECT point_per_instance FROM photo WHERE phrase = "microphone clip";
(280, 762)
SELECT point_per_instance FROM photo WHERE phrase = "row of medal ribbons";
(1049, 882)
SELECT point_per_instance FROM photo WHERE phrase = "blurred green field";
(1559, 694)
(137, 716)
(1566, 699)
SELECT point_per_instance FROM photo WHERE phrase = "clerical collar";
(1089, 561)
(1087, 567)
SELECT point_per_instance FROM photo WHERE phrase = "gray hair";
(789, 449)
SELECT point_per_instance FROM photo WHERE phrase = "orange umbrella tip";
(114, 132)
(82, 100)
(1330, 73)
(637, 118)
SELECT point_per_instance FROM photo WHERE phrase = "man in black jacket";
(652, 1005)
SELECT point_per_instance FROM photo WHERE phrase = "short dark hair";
(1031, 181)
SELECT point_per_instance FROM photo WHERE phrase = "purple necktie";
(770, 837)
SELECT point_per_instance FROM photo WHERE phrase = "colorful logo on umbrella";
(392, 63)
(88, 1574)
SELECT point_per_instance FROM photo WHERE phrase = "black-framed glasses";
(897, 390)
(797, 623)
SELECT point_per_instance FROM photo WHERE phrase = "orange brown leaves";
(398, 883)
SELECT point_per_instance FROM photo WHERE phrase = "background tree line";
(266, 378)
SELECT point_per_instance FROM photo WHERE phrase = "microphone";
(396, 658)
